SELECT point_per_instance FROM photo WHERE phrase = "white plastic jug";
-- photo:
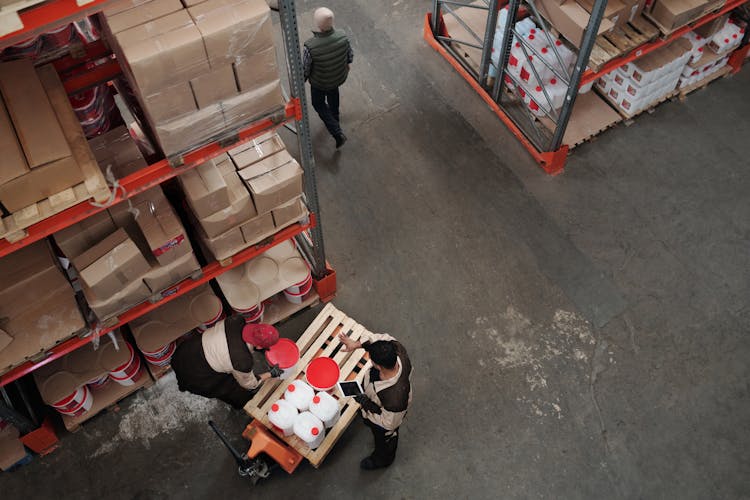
(282, 415)
(515, 60)
(536, 39)
(309, 429)
(568, 57)
(525, 26)
(536, 101)
(556, 91)
(326, 408)
(529, 77)
(299, 394)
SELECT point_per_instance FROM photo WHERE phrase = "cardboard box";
(170, 102)
(672, 14)
(284, 214)
(41, 182)
(14, 162)
(118, 150)
(160, 278)
(232, 28)
(226, 244)
(258, 228)
(615, 10)
(251, 105)
(32, 114)
(257, 149)
(273, 181)
(142, 13)
(256, 70)
(712, 27)
(111, 264)
(163, 52)
(122, 6)
(11, 447)
(240, 210)
(188, 131)
(217, 85)
(570, 19)
(205, 189)
(76, 239)
(30, 267)
(163, 231)
(127, 297)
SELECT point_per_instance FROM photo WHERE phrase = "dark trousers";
(326, 103)
(385, 446)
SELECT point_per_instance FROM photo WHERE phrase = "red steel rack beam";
(147, 178)
(590, 76)
(101, 73)
(91, 52)
(209, 272)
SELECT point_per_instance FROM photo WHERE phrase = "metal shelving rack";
(58, 12)
(545, 144)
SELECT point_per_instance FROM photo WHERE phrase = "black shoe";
(369, 464)
(340, 140)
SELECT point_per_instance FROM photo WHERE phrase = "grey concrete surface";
(583, 336)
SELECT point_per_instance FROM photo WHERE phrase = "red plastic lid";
(532, 31)
(558, 42)
(314, 431)
(700, 49)
(726, 40)
(698, 37)
(553, 81)
(316, 399)
(544, 50)
(538, 88)
(322, 373)
(518, 44)
(274, 407)
(284, 353)
(734, 35)
(531, 37)
(291, 388)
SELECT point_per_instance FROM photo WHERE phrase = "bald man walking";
(327, 56)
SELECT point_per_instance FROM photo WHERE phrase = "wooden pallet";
(628, 118)
(13, 227)
(108, 397)
(320, 339)
(722, 73)
(621, 41)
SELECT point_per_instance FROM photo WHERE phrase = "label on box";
(174, 242)
(631, 90)
(614, 94)
(619, 80)
(637, 76)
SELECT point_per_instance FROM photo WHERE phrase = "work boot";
(340, 140)
(368, 463)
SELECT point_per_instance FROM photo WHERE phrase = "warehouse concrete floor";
(583, 336)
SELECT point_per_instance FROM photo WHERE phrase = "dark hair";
(383, 353)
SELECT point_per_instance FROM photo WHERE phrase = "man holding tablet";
(387, 393)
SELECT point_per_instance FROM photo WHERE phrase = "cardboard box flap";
(76, 239)
(100, 249)
(240, 210)
(266, 165)
(118, 150)
(32, 114)
(25, 263)
(11, 447)
(205, 189)
(145, 12)
(255, 150)
(14, 162)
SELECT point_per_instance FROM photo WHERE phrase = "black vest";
(330, 59)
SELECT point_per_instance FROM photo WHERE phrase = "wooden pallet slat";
(723, 72)
(621, 41)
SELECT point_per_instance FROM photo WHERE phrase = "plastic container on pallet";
(282, 416)
(309, 429)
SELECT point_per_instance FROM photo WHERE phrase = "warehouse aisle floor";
(574, 337)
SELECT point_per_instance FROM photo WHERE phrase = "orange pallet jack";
(252, 464)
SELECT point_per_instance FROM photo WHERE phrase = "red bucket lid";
(322, 373)
(284, 353)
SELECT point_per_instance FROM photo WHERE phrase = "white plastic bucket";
(127, 373)
(77, 403)
(299, 394)
(162, 357)
(304, 284)
(284, 353)
(326, 408)
(309, 429)
(98, 381)
(252, 315)
(299, 297)
(282, 415)
(205, 326)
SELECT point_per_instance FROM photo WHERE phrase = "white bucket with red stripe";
(127, 373)
(252, 315)
(98, 381)
(205, 326)
(162, 357)
(298, 287)
(299, 296)
(77, 403)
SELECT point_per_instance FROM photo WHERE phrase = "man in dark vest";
(326, 58)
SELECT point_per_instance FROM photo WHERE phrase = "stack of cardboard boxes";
(239, 198)
(669, 15)
(125, 255)
(44, 149)
(636, 86)
(38, 307)
(196, 68)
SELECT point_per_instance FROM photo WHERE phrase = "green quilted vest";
(329, 53)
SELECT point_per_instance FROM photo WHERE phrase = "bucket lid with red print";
(260, 335)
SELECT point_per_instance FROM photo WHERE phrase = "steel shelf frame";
(295, 110)
(548, 151)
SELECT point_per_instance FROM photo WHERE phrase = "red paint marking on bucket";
(77, 403)
(299, 297)
(127, 373)
(98, 381)
(298, 287)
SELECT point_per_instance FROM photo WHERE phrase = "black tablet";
(350, 388)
